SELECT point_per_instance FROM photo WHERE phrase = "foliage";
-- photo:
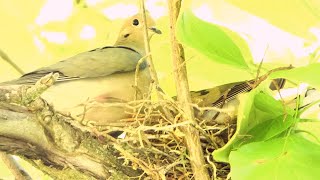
(266, 144)
(217, 42)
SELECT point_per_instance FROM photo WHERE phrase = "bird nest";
(154, 142)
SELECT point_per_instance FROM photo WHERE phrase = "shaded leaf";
(218, 43)
(260, 117)
(290, 157)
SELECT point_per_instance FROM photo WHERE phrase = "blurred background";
(41, 32)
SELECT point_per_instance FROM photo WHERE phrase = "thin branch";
(260, 64)
(153, 72)
(192, 138)
(6, 58)
(143, 165)
(14, 167)
(147, 47)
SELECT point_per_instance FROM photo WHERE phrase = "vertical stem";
(192, 138)
(153, 72)
(15, 169)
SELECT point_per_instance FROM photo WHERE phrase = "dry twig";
(192, 138)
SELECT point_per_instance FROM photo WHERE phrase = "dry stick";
(192, 138)
(260, 65)
(15, 169)
(143, 165)
(147, 46)
(153, 72)
(5, 57)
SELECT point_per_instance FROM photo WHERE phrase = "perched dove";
(100, 76)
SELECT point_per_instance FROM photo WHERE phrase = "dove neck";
(139, 47)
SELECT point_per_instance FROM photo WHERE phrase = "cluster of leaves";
(267, 143)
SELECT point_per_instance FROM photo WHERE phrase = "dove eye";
(135, 22)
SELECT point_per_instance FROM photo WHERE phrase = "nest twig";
(155, 144)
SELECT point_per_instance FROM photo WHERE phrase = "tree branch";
(15, 169)
(192, 138)
(42, 134)
(6, 58)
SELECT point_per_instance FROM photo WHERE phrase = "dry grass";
(155, 144)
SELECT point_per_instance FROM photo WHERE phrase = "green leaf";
(269, 105)
(260, 117)
(271, 128)
(311, 129)
(307, 74)
(290, 157)
(246, 103)
(210, 76)
(218, 43)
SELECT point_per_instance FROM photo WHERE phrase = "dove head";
(132, 32)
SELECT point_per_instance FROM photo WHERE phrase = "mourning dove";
(225, 98)
(100, 76)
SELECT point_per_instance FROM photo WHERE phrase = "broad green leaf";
(291, 157)
(208, 74)
(260, 117)
(267, 104)
(271, 128)
(312, 128)
(218, 43)
(203, 73)
(308, 74)
(245, 106)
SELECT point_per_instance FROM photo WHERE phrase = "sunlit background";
(45, 31)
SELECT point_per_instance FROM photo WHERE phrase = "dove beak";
(155, 30)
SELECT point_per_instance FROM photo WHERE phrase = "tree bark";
(65, 148)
